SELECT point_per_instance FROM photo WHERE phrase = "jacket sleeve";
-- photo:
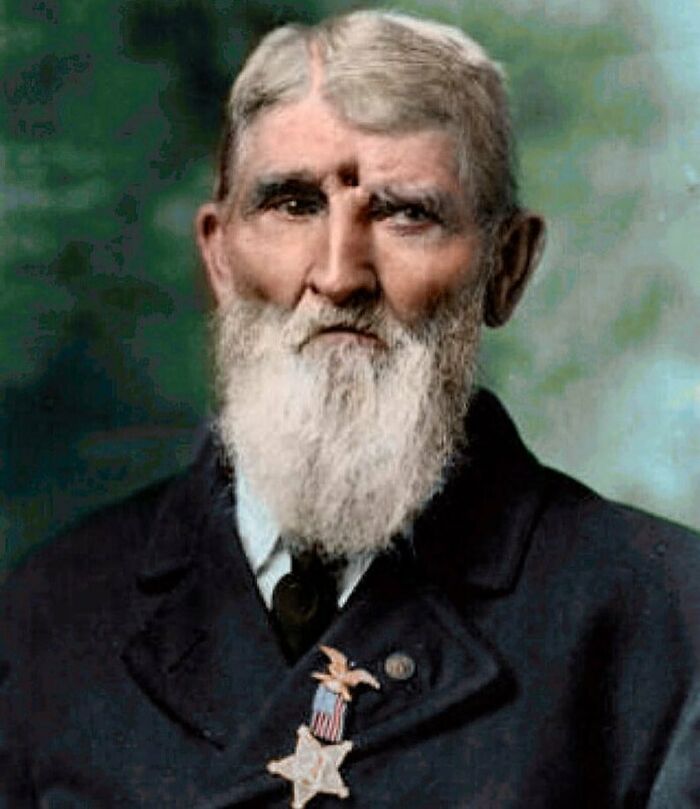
(677, 783)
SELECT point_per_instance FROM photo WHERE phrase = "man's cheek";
(269, 275)
(258, 283)
(413, 300)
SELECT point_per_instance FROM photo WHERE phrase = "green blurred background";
(108, 126)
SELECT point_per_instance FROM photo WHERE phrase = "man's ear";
(210, 225)
(517, 253)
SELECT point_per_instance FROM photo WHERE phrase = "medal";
(314, 767)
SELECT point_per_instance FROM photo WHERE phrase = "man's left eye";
(405, 213)
(414, 213)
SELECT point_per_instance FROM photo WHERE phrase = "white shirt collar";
(256, 526)
(267, 558)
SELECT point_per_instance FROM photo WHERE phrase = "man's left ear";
(516, 255)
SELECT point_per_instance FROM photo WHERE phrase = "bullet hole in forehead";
(349, 175)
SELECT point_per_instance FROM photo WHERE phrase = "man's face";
(321, 209)
(350, 290)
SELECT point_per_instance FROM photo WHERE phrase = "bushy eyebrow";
(267, 187)
(437, 202)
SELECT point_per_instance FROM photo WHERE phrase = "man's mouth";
(343, 333)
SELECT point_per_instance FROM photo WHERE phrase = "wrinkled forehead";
(308, 141)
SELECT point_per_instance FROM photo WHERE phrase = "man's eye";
(414, 213)
(296, 206)
(405, 213)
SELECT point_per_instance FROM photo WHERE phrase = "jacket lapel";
(206, 653)
(208, 657)
(397, 611)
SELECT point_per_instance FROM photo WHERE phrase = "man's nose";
(344, 266)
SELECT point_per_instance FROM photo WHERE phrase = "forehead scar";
(349, 174)
(315, 69)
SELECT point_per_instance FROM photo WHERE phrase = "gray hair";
(390, 73)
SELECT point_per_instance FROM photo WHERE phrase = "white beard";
(344, 443)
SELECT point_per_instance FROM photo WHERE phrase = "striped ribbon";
(327, 715)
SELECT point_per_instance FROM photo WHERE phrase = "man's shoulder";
(505, 522)
(576, 504)
(91, 558)
(614, 540)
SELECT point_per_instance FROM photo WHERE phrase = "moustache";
(368, 320)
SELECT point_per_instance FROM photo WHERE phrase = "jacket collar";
(194, 500)
(476, 531)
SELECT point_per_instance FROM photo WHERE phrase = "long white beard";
(344, 443)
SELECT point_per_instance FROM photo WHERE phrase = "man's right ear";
(210, 226)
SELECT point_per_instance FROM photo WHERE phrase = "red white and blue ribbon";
(314, 767)
(327, 715)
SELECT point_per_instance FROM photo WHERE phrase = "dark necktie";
(303, 603)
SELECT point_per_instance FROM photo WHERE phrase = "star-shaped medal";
(313, 768)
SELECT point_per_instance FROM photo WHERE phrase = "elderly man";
(365, 587)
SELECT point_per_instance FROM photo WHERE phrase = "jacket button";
(399, 666)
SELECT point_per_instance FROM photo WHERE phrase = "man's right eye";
(296, 206)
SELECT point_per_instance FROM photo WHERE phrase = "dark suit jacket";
(555, 637)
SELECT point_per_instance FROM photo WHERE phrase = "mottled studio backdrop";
(109, 118)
